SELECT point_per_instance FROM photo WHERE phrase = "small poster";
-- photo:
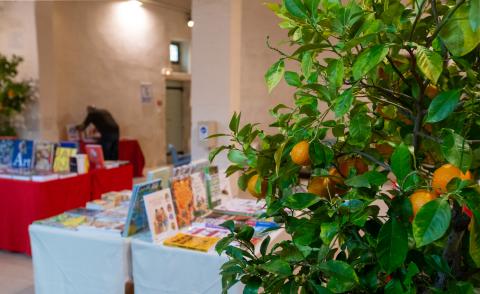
(161, 214)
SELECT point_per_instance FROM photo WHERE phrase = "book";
(161, 216)
(69, 144)
(95, 155)
(83, 212)
(238, 206)
(212, 180)
(100, 204)
(64, 220)
(44, 152)
(82, 163)
(183, 200)
(6, 152)
(22, 154)
(199, 165)
(225, 187)
(137, 216)
(200, 199)
(189, 241)
(61, 163)
(164, 173)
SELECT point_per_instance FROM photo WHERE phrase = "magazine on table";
(44, 152)
(193, 242)
(183, 200)
(137, 217)
(22, 154)
(161, 214)
(64, 220)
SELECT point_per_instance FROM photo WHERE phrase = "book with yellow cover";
(191, 242)
(62, 159)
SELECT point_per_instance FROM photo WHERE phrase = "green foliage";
(13, 94)
(390, 84)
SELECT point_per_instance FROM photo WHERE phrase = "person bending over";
(107, 127)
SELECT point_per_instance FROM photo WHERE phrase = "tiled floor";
(16, 273)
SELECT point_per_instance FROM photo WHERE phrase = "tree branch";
(417, 18)
(444, 21)
(398, 72)
(373, 159)
(387, 91)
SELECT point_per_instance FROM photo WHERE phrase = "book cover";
(137, 215)
(22, 155)
(6, 152)
(164, 173)
(161, 214)
(212, 180)
(83, 212)
(200, 199)
(61, 163)
(189, 241)
(95, 155)
(183, 200)
(238, 206)
(82, 163)
(69, 144)
(72, 133)
(225, 187)
(64, 220)
(44, 152)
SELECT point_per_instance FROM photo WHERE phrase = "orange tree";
(397, 98)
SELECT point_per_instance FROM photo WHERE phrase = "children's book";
(95, 155)
(22, 155)
(161, 214)
(200, 199)
(225, 187)
(83, 212)
(212, 180)
(191, 242)
(44, 152)
(137, 216)
(164, 173)
(61, 162)
(6, 152)
(183, 199)
(64, 220)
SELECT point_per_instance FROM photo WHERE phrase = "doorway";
(177, 116)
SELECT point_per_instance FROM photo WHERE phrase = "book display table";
(162, 269)
(67, 261)
(129, 149)
(22, 202)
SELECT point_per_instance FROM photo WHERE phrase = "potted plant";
(14, 94)
(386, 116)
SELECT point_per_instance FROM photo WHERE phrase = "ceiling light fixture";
(136, 3)
(190, 22)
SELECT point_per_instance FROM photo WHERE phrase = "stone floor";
(16, 273)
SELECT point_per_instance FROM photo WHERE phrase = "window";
(175, 52)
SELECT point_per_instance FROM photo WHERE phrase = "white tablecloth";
(159, 269)
(71, 262)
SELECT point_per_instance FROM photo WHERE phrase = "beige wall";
(102, 52)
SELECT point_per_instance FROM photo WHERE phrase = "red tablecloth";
(130, 150)
(114, 179)
(22, 202)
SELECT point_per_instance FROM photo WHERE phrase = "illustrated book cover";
(95, 155)
(193, 242)
(22, 155)
(6, 152)
(61, 163)
(200, 199)
(137, 216)
(212, 180)
(164, 173)
(183, 199)
(44, 152)
(161, 214)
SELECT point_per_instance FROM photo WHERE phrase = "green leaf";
(223, 243)
(367, 180)
(301, 200)
(344, 102)
(401, 163)
(369, 59)
(252, 286)
(442, 106)
(360, 129)
(335, 73)
(246, 233)
(457, 33)
(234, 122)
(264, 246)
(474, 244)
(430, 63)
(215, 152)
(431, 221)
(474, 14)
(292, 79)
(295, 8)
(328, 231)
(394, 287)
(342, 276)
(392, 246)
(237, 157)
(277, 266)
(456, 150)
(312, 6)
(274, 74)
(320, 154)
(307, 64)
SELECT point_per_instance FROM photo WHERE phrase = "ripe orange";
(252, 182)
(419, 198)
(326, 186)
(299, 153)
(431, 91)
(445, 174)
(10, 93)
(347, 163)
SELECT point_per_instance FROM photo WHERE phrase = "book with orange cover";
(193, 242)
(183, 201)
